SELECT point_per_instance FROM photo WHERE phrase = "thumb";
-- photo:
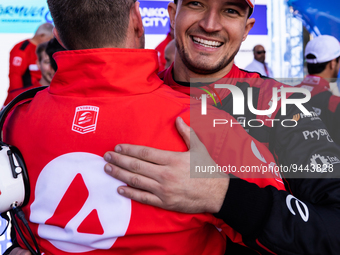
(188, 134)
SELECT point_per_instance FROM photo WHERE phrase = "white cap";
(324, 47)
(251, 3)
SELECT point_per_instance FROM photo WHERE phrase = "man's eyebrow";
(237, 4)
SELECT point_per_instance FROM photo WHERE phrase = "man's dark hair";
(53, 46)
(41, 47)
(87, 24)
(319, 67)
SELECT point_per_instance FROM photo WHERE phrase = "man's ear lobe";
(172, 7)
(249, 25)
(333, 64)
(137, 20)
(56, 35)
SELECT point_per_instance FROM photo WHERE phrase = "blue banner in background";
(22, 16)
(320, 17)
(155, 16)
(260, 15)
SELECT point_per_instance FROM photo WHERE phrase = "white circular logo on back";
(77, 205)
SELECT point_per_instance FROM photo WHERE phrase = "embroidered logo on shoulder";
(17, 61)
(85, 119)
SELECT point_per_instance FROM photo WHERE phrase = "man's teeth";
(206, 43)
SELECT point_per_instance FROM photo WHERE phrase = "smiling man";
(208, 35)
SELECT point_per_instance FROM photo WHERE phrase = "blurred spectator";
(259, 65)
(44, 65)
(169, 53)
(23, 70)
(161, 48)
(322, 56)
(47, 73)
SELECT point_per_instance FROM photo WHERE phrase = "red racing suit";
(23, 69)
(325, 104)
(12, 94)
(305, 220)
(64, 132)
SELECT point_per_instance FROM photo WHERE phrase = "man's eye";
(231, 11)
(195, 3)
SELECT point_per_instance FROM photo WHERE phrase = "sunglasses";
(261, 52)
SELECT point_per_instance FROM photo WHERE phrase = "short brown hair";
(86, 24)
(40, 48)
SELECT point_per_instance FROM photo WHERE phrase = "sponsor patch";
(85, 119)
(317, 111)
(317, 134)
(312, 80)
(333, 160)
(299, 116)
(17, 61)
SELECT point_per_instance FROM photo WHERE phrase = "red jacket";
(86, 111)
(12, 94)
(23, 69)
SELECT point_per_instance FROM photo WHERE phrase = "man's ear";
(249, 25)
(56, 35)
(137, 20)
(172, 7)
(333, 64)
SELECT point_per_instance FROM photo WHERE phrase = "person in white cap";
(322, 55)
(305, 220)
(258, 64)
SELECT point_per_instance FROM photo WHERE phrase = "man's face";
(209, 33)
(45, 67)
(260, 54)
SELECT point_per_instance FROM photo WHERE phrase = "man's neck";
(34, 41)
(183, 74)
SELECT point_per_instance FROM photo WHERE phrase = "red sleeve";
(233, 149)
(17, 67)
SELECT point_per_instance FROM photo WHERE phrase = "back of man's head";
(87, 24)
(45, 29)
(320, 51)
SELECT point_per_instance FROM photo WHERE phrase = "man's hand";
(162, 178)
(19, 251)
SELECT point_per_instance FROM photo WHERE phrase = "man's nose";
(211, 21)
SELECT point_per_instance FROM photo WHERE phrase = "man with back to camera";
(322, 55)
(304, 221)
(74, 207)
(47, 73)
(23, 70)
(258, 64)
